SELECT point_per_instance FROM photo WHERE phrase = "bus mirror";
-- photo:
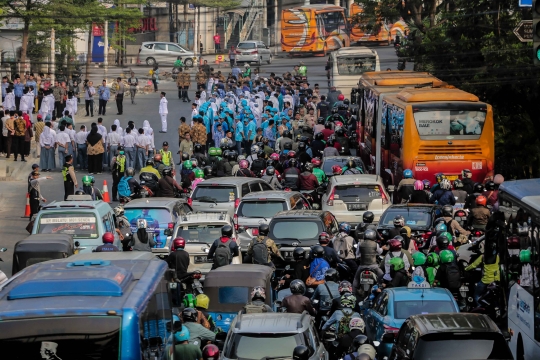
(391, 188)
(169, 275)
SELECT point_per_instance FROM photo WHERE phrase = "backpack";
(260, 251)
(453, 276)
(343, 325)
(123, 186)
(222, 256)
(251, 308)
(258, 165)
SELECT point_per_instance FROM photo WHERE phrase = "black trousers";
(186, 96)
(119, 103)
(59, 108)
(116, 181)
(18, 145)
(95, 163)
(17, 102)
(102, 105)
(89, 107)
(34, 206)
(69, 189)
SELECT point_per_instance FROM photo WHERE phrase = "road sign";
(525, 3)
(220, 58)
(524, 31)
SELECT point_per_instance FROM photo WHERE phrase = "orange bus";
(430, 130)
(359, 35)
(314, 29)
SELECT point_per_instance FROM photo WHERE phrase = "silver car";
(253, 52)
(224, 194)
(164, 53)
(260, 208)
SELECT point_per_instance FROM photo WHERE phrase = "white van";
(348, 64)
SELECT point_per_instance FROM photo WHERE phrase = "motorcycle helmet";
(291, 154)
(287, 134)
(442, 241)
(399, 221)
(400, 239)
(458, 184)
(118, 211)
(150, 162)
(240, 157)
(397, 263)
(232, 155)
(255, 149)
(185, 156)
(212, 151)
(446, 256)
(88, 180)
(179, 243)
(345, 287)
(525, 256)
(478, 188)
(275, 156)
(226, 154)
(319, 136)
(439, 177)
(418, 185)
(264, 229)
(366, 352)
(320, 120)
(244, 164)
(182, 335)
(297, 287)
(302, 146)
(336, 170)
(293, 163)
(349, 300)
(189, 314)
(445, 184)
(317, 251)
(210, 352)
(481, 200)
(370, 235)
(187, 165)
(194, 162)
(432, 259)
(168, 172)
(199, 174)
(328, 126)
(107, 238)
(270, 171)
(340, 131)
(261, 154)
(427, 184)
(466, 173)
(513, 242)
(419, 258)
(341, 97)
(360, 340)
(158, 158)
(258, 293)
(299, 253)
(440, 227)
(448, 210)
(316, 162)
(346, 102)
(79, 192)
(331, 275)
(344, 227)
(395, 245)
(226, 231)
(324, 238)
(357, 324)
(142, 224)
(207, 171)
(407, 174)
(300, 352)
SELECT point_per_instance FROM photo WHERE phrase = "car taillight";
(238, 52)
(197, 276)
(330, 201)
(391, 330)
(255, 52)
(477, 233)
(190, 201)
(426, 235)
(236, 203)
(170, 225)
(235, 220)
(255, 231)
(383, 195)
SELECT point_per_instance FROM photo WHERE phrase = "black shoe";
(179, 163)
(24, 160)
(118, 113)
(15, 159)
(163, 132)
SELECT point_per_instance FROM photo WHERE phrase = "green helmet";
(397, 263)
(419, 258)
(433, 259)
(199, 174)
(525, 256)
(189, 301)
(88, 180)
(212, 151)
(188, 165)
(218, 151)
(448, 236)
(446, 256)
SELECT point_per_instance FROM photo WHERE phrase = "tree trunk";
(88, 54)
(24, 47)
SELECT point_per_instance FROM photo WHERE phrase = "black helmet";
(293, 162)
(287, 134)
(334, 110)
(150, 162)
(303, 139)
(327, 125)
(490, 185)
(317, 251)
(368, 217)
(226, 231)
(351, 164)
(264, 229)
(270, 171)
(478, 188)
(231, 156)
(447, 210)
(346, 102)
(319, 136)
(185, 156)
(120, 148)
(300, 352)
(197, 147)
(207, 171)
(320, 120)
(224, 146)
(370, 234)
(299, 253)
(309, 167)
(80, 192)
(331, 275)
(287, 145)
(167, 171)
(340, 131)
(401, 240)
(190, 315)
(302, 146)
(442, 242)
(298, 287)
(225, 154)
(260, 153)
(306, 128)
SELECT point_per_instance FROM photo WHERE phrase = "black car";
(449, 336)
(294, 228)
(419, 217)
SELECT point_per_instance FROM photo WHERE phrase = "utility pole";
(106, 47)
(196, 33)
(276, 27)
(53, 53)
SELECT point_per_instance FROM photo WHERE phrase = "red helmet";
(338, 124)
(481, 200)
(395, 245)
(108, 238)
(336, 170)
(244, 164)
(179, 243)
(291, 154)
(513, 242)
(210, 352)
(274, 156)
(324, 238)
(341, 97)
(316, 161)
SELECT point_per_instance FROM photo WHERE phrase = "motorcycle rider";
(142, 240)
(419, 196)
(351, 168)
(309, 182)
(492, 194)
(301, 268)
(186, 174)
(209, 352)
(443, 195)
(202, 301)
(348, 302)
(291, 176)
(259, 164)
(150, 176)
(406, 186)
(301, 352)
(367, 252)
(318, 172)
(198, 333)
(179, 259)
(302, 154)
(226, 237)
(343, 243)
(262, 255)
(209, 173)
(419, 262)
(356, 328)
(395, 251)
(198, 153)
(452, 225)
(243, 170)
(438, 177)
(158, 163)
(399, 223)
(444, 242)
(134, 185)
(367, 223)
(358, 341)
(459, 192)
(230, 163)
(432, 264)
(297, 302)
(167, 184)
(490, 272)
(479, 216)
(330, 255)
(448, 275)
(468, 183)
(271, 178)
(183, 349)
(318, 145)
(470, 202)
(398, 273)
(257, 303)
(325, 293)
(89, 188)
(108, 240)
(342, 143)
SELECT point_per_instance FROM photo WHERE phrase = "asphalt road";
(12, 193)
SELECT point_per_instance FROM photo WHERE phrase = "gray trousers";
(62, 152)
(130, 157)
(141, 158)
(82, 158)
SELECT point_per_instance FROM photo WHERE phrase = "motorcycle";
(368, 279)
(467, 254)
(191, 283)
(489, 303)
(311, 198)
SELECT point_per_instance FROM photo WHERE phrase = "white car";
(253, 52)
(163, 53)
(349, 196)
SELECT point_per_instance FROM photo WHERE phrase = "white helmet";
(445, 184)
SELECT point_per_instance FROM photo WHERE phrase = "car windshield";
(96, 337)
(246, 45)
(361, 193)
(261, 208)
(202, 233)
(355, 65)
(404, 309)
(328, 163)
(446, 346)
(78, 225)
(258, 346)
(218, 194)
(418, 218)
(295, 229)
(157, 221)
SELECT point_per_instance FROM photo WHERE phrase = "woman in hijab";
(95, 150)
(148, 131)
(47, 142)
(28, 134)
(142, 240)
(119, 129)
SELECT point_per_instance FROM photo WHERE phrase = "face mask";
(121, 153)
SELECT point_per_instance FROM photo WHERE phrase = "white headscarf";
(119, 129)
(147, 129)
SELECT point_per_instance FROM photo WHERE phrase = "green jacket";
(320, 175)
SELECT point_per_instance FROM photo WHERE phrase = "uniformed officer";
(166, 155)
(70, 180)
(108, 240)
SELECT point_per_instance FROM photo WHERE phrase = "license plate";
(200, 259)
(247, 53)
(353, 207)
(366, 281)
(452, 177)
(464, 288)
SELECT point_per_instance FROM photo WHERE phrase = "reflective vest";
(65, 172)
(302, 70)
(121, 161)
(166, 157)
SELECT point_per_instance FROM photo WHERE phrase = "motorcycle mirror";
(376, 343)
(3, 249)
(391, 188)
(77, 244)
(288, 267)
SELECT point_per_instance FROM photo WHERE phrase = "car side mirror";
(241, 229)
(167, 232)
(220, 340)
(388, 338)
(507, 336)
(391, 188)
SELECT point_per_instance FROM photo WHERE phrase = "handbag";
(311, 281)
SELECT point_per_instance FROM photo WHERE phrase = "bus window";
(355, 65)
(328, 22)
(153, 319)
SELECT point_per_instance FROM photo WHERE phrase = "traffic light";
(536, 32)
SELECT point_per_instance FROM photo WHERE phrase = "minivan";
(163, 53)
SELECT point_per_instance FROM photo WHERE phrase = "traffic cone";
(105, 194)
(27, 209)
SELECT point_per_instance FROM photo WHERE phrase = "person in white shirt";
(113, 141)
(27, 102)
(47, 141)
(141, 143)
(47, 104)
(62, 141)
(129, 148)
(72, 147)
(149, 132)
(80, 141)
(71, 105)
(119, 129)
(210, 84)
(9, 100)
(163, 111)
(102, 130)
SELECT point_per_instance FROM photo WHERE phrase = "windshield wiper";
(207, 199)
(291, 239)
(258, 217)
(276, 357)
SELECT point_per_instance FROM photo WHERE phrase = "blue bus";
(88, 306)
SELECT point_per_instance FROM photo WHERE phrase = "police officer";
(118, 170)
(166, 155)
(70, 180)
(108, 240)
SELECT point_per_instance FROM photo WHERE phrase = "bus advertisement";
(314, 29)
